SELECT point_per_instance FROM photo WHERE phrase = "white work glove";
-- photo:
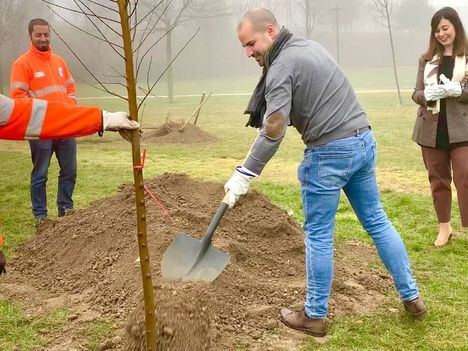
(115, 121)
(435, 92)
(453, 89)
(238, 184)
(119, 122)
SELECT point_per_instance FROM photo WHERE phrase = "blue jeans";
(347, 164)
(41, 153)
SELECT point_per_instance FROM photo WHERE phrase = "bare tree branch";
(101, 19)
(134, 9)
(185, 5)
(116, 71)
(84, 31)
(148, 73)
(169, 65)
(102, 34)
(149, 13)
(104, 6)
(86, 67)
(80, 12)
(135, 17)
(152, 46)
(152, 28)
(94, 86)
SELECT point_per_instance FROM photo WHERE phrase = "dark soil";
(90, 258)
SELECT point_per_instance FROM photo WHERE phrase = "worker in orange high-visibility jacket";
(40, 73)
(33, 119)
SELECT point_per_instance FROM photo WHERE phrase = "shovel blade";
(179, 261)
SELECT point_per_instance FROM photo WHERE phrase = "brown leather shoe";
(416, 308)
(299, 321)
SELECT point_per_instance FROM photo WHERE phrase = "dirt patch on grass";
(170, 133)
(92, 253)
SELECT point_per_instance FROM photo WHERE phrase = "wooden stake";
(194, 112)
(150, 319)
(198, 112)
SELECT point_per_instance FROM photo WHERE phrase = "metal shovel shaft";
(191, 259)
(206, 241)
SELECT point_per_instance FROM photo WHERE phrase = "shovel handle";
(223, 206)
(206, 241)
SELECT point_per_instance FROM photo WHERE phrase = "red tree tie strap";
(155, 199)
(143, 157)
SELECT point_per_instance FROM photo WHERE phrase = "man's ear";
(271, 31)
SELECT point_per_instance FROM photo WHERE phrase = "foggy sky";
(216, 52)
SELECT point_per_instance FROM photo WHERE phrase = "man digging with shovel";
(303, 86)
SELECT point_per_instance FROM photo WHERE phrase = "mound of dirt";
(183, 322)
(93, 253)
(169, 133)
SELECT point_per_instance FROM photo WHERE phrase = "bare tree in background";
(174, 13)
(309, 8)
(318, 12)
(383, 11)
(8, 11)
(350, 13)
(405, 15)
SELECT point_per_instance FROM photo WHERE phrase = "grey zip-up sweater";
(310, 90)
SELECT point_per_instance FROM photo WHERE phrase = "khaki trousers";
(439, 164)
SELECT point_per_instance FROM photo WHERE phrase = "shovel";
(190, 259)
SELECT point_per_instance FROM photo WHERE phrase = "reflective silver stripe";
(48, 90)
(38, 112)
(6, 108)
(73, 96)
(70, 81)
(19, 85)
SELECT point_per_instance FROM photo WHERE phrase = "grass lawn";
(104, 163)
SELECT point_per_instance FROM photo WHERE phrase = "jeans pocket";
(374, 154)
(302, 169)
(334, 169)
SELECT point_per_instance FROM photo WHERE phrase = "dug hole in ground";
(87, 263)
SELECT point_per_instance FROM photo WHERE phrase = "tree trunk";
(169, 74)
(393, 54)
(148, 293)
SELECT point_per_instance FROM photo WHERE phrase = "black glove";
(2, 263)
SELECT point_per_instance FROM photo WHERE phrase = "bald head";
(259, 18)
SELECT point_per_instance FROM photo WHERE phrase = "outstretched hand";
(119, 122)
(238, 184)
